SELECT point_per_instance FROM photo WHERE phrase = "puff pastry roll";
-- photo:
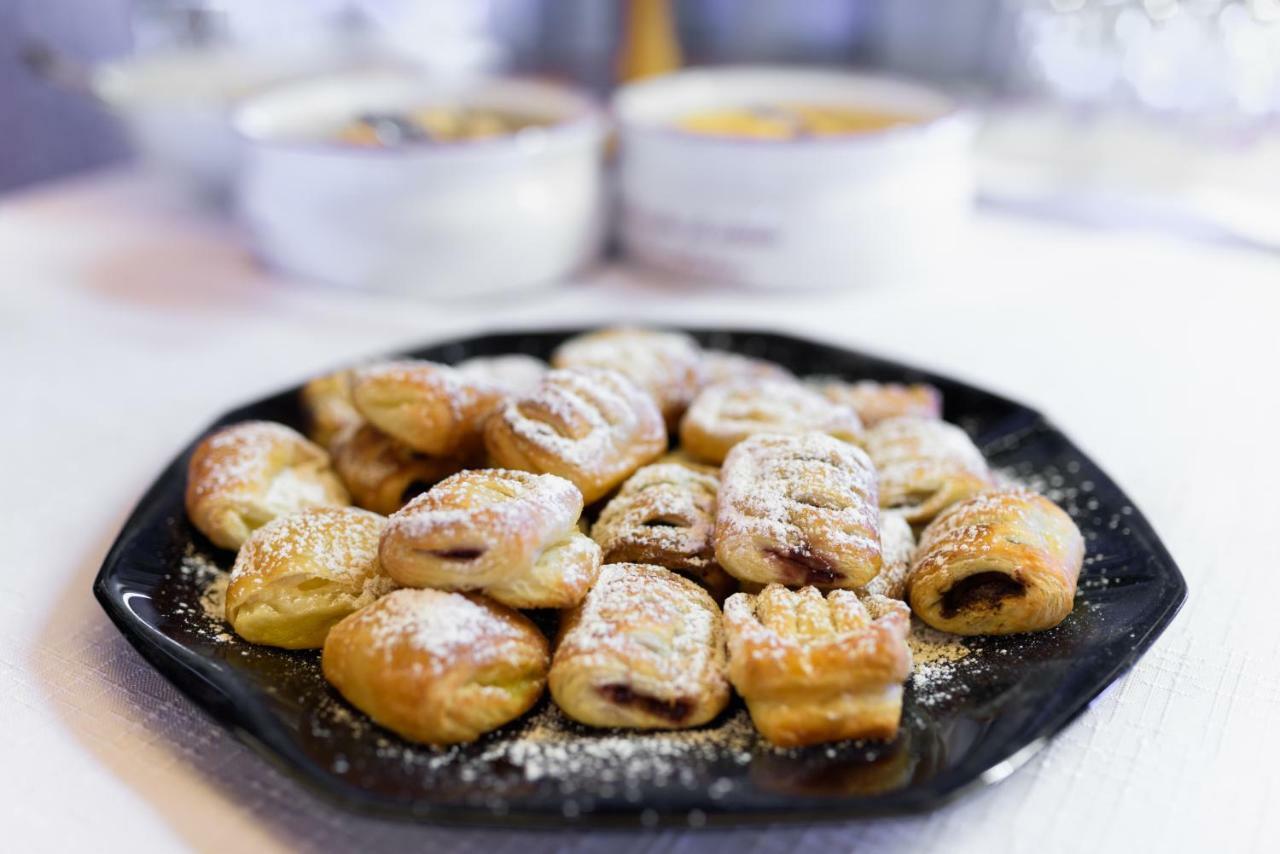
(875, 402)
(814, 669)
(513, 373)
(723, 415)
(798, 510)
(432, 408)
(243, 476)
(999, 563)
(897, 546)
(668, 365)
(925, 466)
(510, 534)
(721, 366)
(645, 650)
(591, 426)
(665, 514)
(329, 409)
(381, 473)
(437, 667)
(299, 574)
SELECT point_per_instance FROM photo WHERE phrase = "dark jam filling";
(804, 567)
(671, 710)
(980, 591)
(457, 554)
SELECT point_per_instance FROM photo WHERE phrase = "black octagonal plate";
(968, 722)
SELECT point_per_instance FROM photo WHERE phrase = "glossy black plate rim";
(224, 699)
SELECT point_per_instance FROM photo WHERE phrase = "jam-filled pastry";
(243, 476)
(645, 650)
(299, 574)
(925, 466)
(513, 373)
(668, 365)
(723, 415)
(814, 669)
(897, 546)
(665, 514)
(591, 426)
(875, 402)
(999, 563)
(432, 408)
(721, 366)
(798, 510)
(437, 667)
(512, 535)
(381, 473)
(329, 409)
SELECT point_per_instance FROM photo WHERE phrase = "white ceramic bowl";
(447, 220)
(811, 213)
(176, 106)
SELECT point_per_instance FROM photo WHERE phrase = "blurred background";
(1157, 114)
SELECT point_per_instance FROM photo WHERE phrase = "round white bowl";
(812, 213)
(445, 220)
(176, 105)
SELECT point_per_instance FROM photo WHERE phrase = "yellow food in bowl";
(790, 121)
(434, 125)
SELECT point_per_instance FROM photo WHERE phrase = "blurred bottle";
(649, 43)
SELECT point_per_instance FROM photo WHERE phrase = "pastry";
(645, 650)
(999, 563)
(925, 466)
(668, 365)
(381, 473)
(814, 669)
(723, 415)
(437, 667)
(798, 510)
(721, 366)
(897, 545)
(432, 408)
(875, 402)
(512, 535)
(513, 373)
(328, 407)
(665, 514)
(591, 426)
(243, 476)
(299, 574)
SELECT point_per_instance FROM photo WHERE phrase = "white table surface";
(128, 320)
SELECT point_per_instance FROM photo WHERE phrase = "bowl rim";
(950, 113)
(585, 121)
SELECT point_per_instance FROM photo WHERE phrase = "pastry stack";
(769, 550)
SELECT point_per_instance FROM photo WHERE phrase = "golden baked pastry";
(723, 415)
(798, 510)
(432, 408)
(645, 650)
(299, 574)
(513, 373)
(925, 466)
(510, 534)
(875, 402)
(665, 514)
(591, 426)
(721, 366)
(243, 476)
(815, 670)
(999, 563)
(668, 365)
(328, 407)
(381, 473)
(437, 667)
(897, 546)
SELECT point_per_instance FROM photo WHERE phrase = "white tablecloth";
(128, 320)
